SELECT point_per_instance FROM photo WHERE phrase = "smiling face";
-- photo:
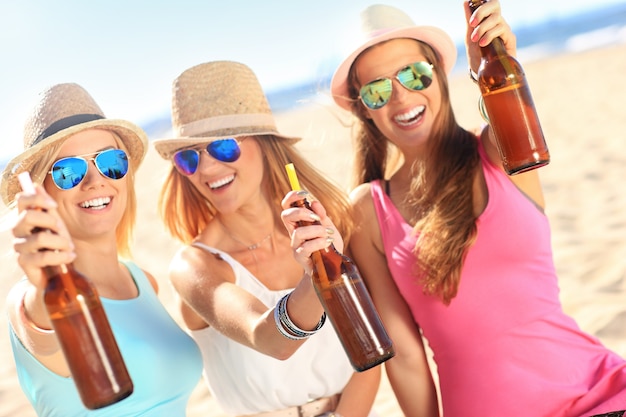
(408, 118)
(230, 185)
(96, 205)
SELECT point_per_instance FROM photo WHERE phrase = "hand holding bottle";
(507, 103)
(341, 291)
(310, 230)
(74, 307)
(37, 211)
(483, 26)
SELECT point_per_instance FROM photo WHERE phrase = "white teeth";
(404, 118)
(221, 182)
(96, 203)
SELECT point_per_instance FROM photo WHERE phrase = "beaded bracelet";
(288, 328)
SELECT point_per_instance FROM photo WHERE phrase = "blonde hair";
(441, 191)
(185, 212)
(125, 228)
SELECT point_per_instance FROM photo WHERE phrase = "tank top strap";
(138, 275)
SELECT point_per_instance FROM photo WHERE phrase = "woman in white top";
(222, 198)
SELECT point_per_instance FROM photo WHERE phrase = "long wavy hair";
(440, 196)
(185, 212)
(125, 228)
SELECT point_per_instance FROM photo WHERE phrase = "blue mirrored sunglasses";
(224, 150)
(414, 77)
(68, 172)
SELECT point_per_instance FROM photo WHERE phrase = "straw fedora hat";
(380, 23)
(217, 100)
(60, 112)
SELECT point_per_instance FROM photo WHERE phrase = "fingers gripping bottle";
(84, 334)
(347, 302)
(510, 108)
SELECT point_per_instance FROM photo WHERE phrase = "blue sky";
(127, 53)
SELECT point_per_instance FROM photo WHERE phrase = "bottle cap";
(26, 183)
(293, 178)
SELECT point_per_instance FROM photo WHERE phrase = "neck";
(248, 234)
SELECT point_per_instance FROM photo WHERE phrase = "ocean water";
(575, 33)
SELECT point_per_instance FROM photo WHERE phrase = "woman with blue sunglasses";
(451, 247)
(85, 166)
(222, 200)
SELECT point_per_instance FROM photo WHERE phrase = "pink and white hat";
(380, 23)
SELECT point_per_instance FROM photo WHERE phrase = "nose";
(93, 178)
(398, 91)
(206, 161)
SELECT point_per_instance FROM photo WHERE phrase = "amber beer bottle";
(347, 302)
(84, 334)
(510, 108)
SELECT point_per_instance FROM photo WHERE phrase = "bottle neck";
(494, 49)
(52, 270)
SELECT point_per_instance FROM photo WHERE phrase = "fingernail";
(302, 193)
(330, 231)
(330, 239)
(315, 217)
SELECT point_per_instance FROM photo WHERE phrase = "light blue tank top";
(163, 361)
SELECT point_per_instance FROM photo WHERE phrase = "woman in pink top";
(452, 247)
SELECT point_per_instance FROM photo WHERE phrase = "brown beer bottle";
(510, 108)
(84, 334)
(347, 302)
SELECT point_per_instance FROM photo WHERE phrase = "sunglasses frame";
(410, 67)
(207, 148)
(93, 158)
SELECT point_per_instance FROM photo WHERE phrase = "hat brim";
(439, 40)
(134, 138)
(167, 147)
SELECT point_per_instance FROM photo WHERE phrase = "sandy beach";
(584, 121)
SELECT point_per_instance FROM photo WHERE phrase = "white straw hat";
(380, 23)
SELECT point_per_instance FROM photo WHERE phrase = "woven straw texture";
(217, 100)
(55, 104)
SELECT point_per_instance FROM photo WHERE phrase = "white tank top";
(244, 381)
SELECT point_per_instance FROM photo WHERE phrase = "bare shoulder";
(366, 236)
(360, 193)
(361, 200)
(194, 264)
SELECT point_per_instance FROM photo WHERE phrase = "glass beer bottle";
(510, 108)
(84, 334)
(347, 302)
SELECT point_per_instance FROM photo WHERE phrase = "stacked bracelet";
(287, 328)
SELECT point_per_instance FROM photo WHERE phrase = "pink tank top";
(504, 346)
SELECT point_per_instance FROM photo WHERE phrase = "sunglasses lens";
(187, 161)
(376, 94)
(112, 163)
(68, 172)
(417, 76)
(225, 150)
